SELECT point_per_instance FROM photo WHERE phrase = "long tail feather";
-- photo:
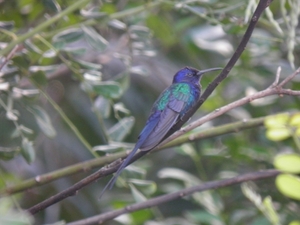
(126, 162)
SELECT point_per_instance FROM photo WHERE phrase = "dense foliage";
(78, 79)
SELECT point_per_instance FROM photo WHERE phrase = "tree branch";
(179, 194)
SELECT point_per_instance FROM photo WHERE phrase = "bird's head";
(189, 74)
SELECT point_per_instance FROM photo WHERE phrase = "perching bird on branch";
(170, 107)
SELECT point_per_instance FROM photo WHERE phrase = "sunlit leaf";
(295, 120)
(289, 185)
(277, 121)
(289, 163)
(43, 120)
(94, 39)
(278, 134)
(27, 150)
(295, 222)
(119, 131)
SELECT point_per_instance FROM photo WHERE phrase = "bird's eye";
(189, 74)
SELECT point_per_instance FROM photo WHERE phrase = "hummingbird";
(170, 107)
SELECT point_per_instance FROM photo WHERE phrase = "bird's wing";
(167, 118)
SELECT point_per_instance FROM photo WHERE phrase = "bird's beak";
(201, 72)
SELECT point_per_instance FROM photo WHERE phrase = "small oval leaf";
(108, 89)
(27, 150)
(289, 163)
(279, 120)
(278, 134)
(289, 185)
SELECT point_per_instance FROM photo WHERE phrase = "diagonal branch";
(99, 219)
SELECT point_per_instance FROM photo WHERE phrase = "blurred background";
(100, 67)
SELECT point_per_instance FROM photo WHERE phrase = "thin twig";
(99, 219)
(290, 77)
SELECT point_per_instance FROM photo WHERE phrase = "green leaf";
(137, 195)
(277, 121)
(108, 89)
(295, 120)
(289, 163)
(27, 150)
(39, 77)
(8, 153)
(103, 106)
(88, 65)
(52, 5)
(289, 185)
(43, 120)
(278, 134)
(270, 211)
(68, 36)
(119, 131)
(199, 217)
(295, 222)
(94, 39)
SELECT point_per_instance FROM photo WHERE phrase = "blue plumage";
(170, 107)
